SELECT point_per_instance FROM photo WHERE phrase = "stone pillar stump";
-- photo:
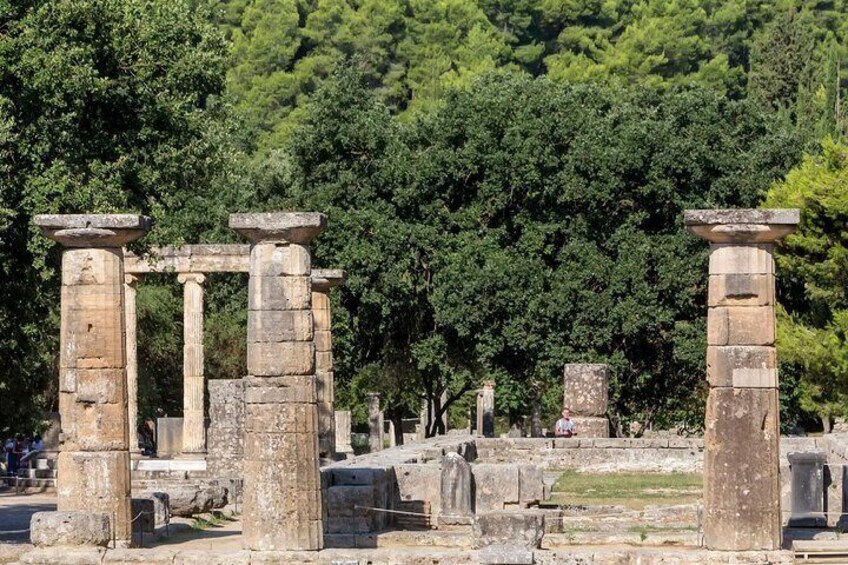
(586, 394)
(807, 490)
(194, 385)
(322, 281)
(742, 431)
(456, 505)
(375, 422)
(94, 461)
(486, 410)
(282, 484)
(342, 431)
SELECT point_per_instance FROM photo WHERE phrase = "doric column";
(194, 387)
(375, 422)
(486, 410)
(94, 463)
(282, 484)
(322, 281)
(742, 429)
(131, 317)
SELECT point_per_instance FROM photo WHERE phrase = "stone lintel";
(93, 230)
(741, 225)
(201, 258)
(325, 279)
(807, 457)
(287, 227)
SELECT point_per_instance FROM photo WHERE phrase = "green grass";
(633, 490)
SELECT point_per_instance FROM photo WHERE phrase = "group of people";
(19, 450)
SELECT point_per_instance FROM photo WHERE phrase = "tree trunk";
(826, 424)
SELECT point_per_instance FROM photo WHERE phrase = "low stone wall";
(598, 455)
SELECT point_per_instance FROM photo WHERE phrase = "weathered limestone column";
(322, 281)
(194, 385)
(375, 422)
(131, 317)
(742, 434)
(486, 410)
(342, 432)
(456, 505)
(282, 484)
(94, 462)
(807, 490)
(586, 394)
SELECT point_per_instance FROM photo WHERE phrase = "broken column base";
(591, 427)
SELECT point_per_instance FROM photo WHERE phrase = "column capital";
(198, 278)
(742, 225)
(279, 227)
(93, 230)
(325, 279)
(132, 278)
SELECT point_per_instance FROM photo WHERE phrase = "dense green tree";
(105, 105)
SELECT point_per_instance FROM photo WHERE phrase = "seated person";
(565, 426)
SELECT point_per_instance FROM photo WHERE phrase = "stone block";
(97, 427)
(323, 341)
(741, 290)
(64, 555)
(96, 482)
(92, 340)
(212, 557)
(187, 500)
(97, 267)
(495, 485)
(49, 529)
(324, 360)
(297, 389)
(531, 484)
(169, 436)
(741, 482)
(155, 556)
(742, 366)
(740, 325)
(99, 386)
(518, 529)
(352, 476)
(505, 555)
(279, 325)
(456, 491)
(161, 508)
(275, 260)
(143, 515)
(586, 389)
(286, 358)
(278, 293)
(741, 259)
(420, 482)
(279, 419)
(591, 427)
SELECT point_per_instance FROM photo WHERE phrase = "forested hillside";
(784, 53)
(504, 181)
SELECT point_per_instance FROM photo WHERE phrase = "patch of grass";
(201, 523)
(632, 490)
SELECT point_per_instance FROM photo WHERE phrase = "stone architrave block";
(740, 325)
(518, 528)
(741, 484)
(741, 259)
(495, 485)
(586, 389)
(279, 293)
(48, 529)
(279, 325)
(285, 358)
(741, 290)
(742, 366)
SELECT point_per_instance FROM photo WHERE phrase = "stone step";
(820, 551)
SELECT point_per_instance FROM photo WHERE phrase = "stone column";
(94, 462)
(375, 422)
(194, 385)
(807, 490)
(486, 410)
(586, 393)
(342, 432)
(282, 484)
(322, 281)
(742, 434)
(456, 506)
(130, 323)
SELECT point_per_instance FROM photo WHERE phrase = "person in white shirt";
(565, 426)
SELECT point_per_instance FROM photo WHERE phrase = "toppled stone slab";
(520, 529)
(48, 529)
(187, 500)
